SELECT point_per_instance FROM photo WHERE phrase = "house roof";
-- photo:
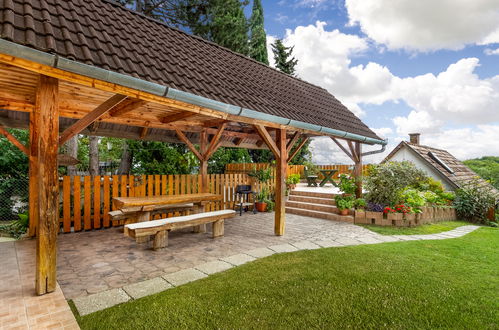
(461, 173)
(109, 36)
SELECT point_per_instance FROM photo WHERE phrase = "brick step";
(311, 194)
(318, 214)
(312, 206)
(314, 200)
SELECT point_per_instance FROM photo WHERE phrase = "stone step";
(312, 206)
(308, 199)
(311, 194)
(318, 214)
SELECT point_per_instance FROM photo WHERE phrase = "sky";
(405, 66)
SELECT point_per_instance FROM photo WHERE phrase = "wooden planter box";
(453, 215)
(374, 218)
(360, 217)
(410, 219)
(439, 214)
(396, 219)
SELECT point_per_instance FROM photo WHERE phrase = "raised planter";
(410, 219)
(396, 219)
(374, 218)
(360, 217)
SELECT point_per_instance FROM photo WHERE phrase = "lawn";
(431, 228)
(417, 284)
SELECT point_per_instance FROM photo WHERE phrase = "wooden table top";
(122, 202)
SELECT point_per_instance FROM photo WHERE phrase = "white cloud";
(426, 25)
(489, 51)
(416, 122)
(383, 131)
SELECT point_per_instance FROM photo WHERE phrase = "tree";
(72, 150)
(283, 58)
(93, 148)
(258, 37)
(220, 21)
(161, 158)
(303, 156)
(487, 167)
(166, 11)
(224, 156)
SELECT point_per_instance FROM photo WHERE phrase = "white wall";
(405, 154)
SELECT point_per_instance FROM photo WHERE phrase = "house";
(437, 163)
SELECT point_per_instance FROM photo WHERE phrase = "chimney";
(414, 138)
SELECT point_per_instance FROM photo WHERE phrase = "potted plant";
(344, 204)
(292, 180)
(261, 200)
(347, 185)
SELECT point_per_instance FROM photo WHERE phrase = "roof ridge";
(122, 7)
(424, 146)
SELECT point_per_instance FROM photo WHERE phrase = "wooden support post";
(280, 182)
(298, 148)
(47, 125)
(33, 173)
(203, 163)
(160, 240)
(357, 172)
(218, 228)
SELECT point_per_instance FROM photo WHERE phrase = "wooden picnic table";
(328, 176)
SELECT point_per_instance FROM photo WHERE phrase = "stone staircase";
(315, 205)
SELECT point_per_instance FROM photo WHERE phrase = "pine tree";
(258, 37)
(283, 57)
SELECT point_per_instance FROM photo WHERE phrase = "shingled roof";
(461, 173)
(108, 36)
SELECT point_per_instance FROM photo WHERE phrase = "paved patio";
(95, 261)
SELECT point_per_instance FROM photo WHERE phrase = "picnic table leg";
(198, 208)
(143, 216)
(218, 228)
(160, 240)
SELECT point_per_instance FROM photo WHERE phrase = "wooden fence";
(86, 200)
(292, 169)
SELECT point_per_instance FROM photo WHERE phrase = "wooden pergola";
(57, 98)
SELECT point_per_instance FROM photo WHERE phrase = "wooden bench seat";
(159, 229)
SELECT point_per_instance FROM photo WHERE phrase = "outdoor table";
(148, 204)
(328, 176)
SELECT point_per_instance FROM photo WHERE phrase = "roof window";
(441, 162)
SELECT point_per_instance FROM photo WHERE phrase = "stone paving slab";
(213, 267)
(238, 259)
(348, 241)
(328, 243)
(101, 300)
(260, 252)
(146, 288)
(184, 276)
(281, 248)
(369, 240)
(305, 245)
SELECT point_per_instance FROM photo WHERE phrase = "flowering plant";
(401, 208)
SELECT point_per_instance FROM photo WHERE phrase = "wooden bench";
(159, 229)
(131, 214)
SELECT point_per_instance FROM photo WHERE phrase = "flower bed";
(428, 214)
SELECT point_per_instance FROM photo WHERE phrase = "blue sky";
(429, 66)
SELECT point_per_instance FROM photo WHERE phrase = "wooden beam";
(264, 134)
(238, 141)
(47, 125)
(143, 133)
(292, 142)
(352, 150)
(259, 143)
(357, 170)
(343, 148)
(214, 144)
(176, 117)
(92, 116)
(214, 122)
(280, 188)
(126, 106)
(33, 173)
(14, 140)
(297, 150)
(189, 144)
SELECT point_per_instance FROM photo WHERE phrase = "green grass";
(405, 285)
(431, 228)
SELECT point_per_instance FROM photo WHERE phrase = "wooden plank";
(66, 203)
(126, 106)
(97, 205)
(77, 203)
(106, 200)
(115, 193)
(13, 140)
(33, 173)
(150, 185)
(176, 117)
(125, 202)
(280, 185)
(87, 193)
(264, 134)
(357, 172)
(292, 142)
(92, 116)
(131, 186)
(123, 186)
(191, 147)
(47, 106)
(214, 144)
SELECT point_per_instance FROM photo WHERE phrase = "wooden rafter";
(292, 142)
(264, 134)
(189, 144)
(14, 140)
(214, 122)
(91, 117)
(343, 148)
(353, 151)
(238, 141)
(297, 150)
(176, 117)
(144, 131)
(126, 106)
(214, 144)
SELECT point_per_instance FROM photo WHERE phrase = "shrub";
(16, 228)
(386, 182)
(293, 179)
(344, 202)
(473, 201)
(347, 184)
(360, 203)
(374, 207)
(414, 198)
(262, 176)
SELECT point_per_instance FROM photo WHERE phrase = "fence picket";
(77, 203)
(87, 225)
(106, 199)
(97, 206)
(66, 209)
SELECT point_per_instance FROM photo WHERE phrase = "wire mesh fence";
(13, 196)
